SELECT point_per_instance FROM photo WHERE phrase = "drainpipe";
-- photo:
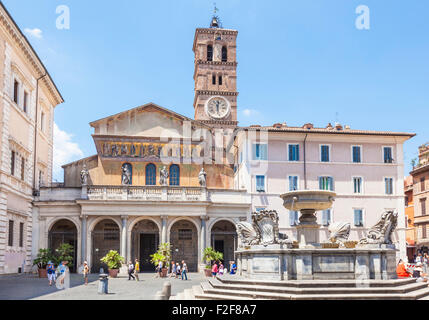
(305, 163)
(36, 191)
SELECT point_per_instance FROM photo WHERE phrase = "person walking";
(137, 269)
(184, 270)
(63, 281)
(131, 270)
(85, 272)
(173, 269)
(50, 270)
(178, 271)
(214, 269)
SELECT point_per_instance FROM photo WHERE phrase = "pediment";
(149, 120)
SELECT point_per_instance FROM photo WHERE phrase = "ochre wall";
(109, 173)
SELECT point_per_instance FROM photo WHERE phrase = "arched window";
(209, 52)
(150, 174)
(220, 80)
(224, 54)
(174, 175)
(213, 79)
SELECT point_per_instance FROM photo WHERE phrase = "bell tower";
(215, 75)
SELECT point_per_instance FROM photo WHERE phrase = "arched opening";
(174, 175)
(209, 52)
(224, 239)
(150, 174)
(105, 237)
(224, 54)
(184, 243)
(64, 231)
(144, 242)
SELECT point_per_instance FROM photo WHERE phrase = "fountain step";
(407, 287)
(314, 283)
(243, 294)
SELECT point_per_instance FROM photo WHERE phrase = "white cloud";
(65, 151)
(250, 112)
(36, 32)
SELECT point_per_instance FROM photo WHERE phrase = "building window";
(387, 152)
(22, 168)
(260, 151)
(10, 240)
(388, 185)
(324, 153)
(423, 206)
(213, 79)
(224, 54)
(220, 80)
(293, 218)
(174, 175)
(293, 183)
(357, 185)
(294, 152)
(326, 217)
(40, 178)
(185, 234)
(25, 105)
(358, 217)
(209, 52)
(260, 183)
(422, 184)
(356, 151)
(12, 163)
(406, 201)
(21, 234)
(150, 174)
(326, 183)
(424, 236)
(15, 91)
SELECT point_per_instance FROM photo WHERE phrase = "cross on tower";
(215, 9)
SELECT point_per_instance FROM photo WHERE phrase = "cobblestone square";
(30, 287)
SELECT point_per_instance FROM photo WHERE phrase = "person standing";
(85, 272)
(137, 269)
(221, 269)
(214, 269)
(425, 263)
(173, 269)
(130, 270)
(233, 267)
(184, 270)
(178, 271)
(63, 281)
(50, 270)
(419, 258)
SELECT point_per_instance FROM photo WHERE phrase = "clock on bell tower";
(215, 75)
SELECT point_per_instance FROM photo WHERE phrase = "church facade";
(159, 176)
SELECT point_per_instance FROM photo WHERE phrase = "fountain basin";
(314, 200)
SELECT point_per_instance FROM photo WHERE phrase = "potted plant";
(162, 255)
(211, 255)
(65, 253)
(42, 259)
(114, 262)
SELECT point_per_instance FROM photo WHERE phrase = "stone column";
(164, 229)
(124, 238)
(83, 237)
(203, 237)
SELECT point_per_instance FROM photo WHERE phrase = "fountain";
(263, 255)
(270, 266)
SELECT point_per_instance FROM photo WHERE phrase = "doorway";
(148, 246)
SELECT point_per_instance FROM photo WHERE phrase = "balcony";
(147, 193)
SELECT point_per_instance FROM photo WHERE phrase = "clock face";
(217, 107)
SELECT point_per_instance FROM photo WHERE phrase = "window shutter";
(264, 152)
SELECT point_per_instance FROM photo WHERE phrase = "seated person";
(401, 270)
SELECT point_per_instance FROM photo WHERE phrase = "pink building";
(364, 168)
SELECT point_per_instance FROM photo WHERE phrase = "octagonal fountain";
(264, 253)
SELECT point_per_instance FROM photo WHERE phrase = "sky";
(299, 61)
